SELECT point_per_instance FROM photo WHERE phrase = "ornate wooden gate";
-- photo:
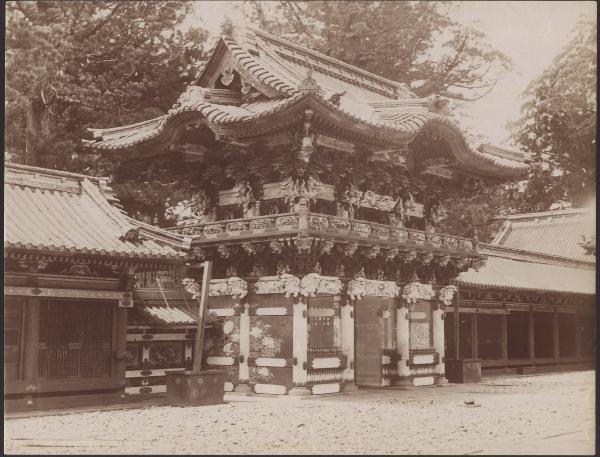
(369, 340)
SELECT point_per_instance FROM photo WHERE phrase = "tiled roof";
(554, 232)
(60, 212)
(281, 66)
(508, 273)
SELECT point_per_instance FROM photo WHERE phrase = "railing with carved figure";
(322, 224)
(333, 224)
(239, 226)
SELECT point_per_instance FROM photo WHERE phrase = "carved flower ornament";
(446, 294)
(417, 291)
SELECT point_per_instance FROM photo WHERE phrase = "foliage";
(558, 125)
(415, 43)
(76, 64)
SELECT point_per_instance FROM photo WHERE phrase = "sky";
(530, 33)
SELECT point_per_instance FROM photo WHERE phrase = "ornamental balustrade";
(319, 224)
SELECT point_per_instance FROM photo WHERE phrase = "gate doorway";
(369, 340)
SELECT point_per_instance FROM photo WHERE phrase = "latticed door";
(369, 340)
(75, 339)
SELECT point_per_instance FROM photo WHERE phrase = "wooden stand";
(196, 387)
(463, 370)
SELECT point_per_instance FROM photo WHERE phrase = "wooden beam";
(202, 313)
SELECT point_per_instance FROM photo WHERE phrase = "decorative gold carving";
(286, 284)
(303, 244)
(446, 294)
(360, 286)
(214, 228)
(235, 226)
(224, 251)
(227, 76)
(314, 283)
(351, 249)
(262, 223)
(234, 286)
(318, 222)
(309, 84)
(286, 220)
(276, 247)
(417, 291)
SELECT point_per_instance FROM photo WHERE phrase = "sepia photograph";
(300, 227)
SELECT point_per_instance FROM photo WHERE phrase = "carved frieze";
(261, 223)
(234, 286)
(214, 228)
(360, 227)
(417, 291)
(313, 283)
(235, 226)
(286, 284)
(360, 286)
(286, 220)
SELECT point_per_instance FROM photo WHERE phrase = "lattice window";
(273, 206)
(323, 207)
(12, 334)
(75, 339)
(420, 335)
(227, 212)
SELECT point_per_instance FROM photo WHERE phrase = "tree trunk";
(40, 125)
(35, 114)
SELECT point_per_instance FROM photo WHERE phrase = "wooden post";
(31, 338)
(504, 337)
(202, 313)
(578, 335)
(457, 354)
(244, 370)
(474, 337)
(438, 342)
(347, 343)
(555, 336)
(531, 336)
(300, 348)
(403, 347)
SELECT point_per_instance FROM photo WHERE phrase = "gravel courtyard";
(543, 414)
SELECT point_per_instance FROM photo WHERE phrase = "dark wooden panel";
(369, 339)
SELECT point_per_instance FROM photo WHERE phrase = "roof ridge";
(514, 253)
(331, 60)
(51, 172)
(545, 214)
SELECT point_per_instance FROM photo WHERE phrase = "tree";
(557, 125)
(416, 43)
(76, 64)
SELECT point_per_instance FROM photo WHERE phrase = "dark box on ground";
(195, 388)
(463, 370)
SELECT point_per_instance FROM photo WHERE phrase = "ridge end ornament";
(309, 84)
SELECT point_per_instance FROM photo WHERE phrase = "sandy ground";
(543, 414)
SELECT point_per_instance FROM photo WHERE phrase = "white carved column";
(244, 371)
(300, 349)
(347, 327)
(403, 347)
(445, 298)
(438, 342)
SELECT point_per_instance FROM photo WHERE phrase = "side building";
(71, 258)
(532, 306)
